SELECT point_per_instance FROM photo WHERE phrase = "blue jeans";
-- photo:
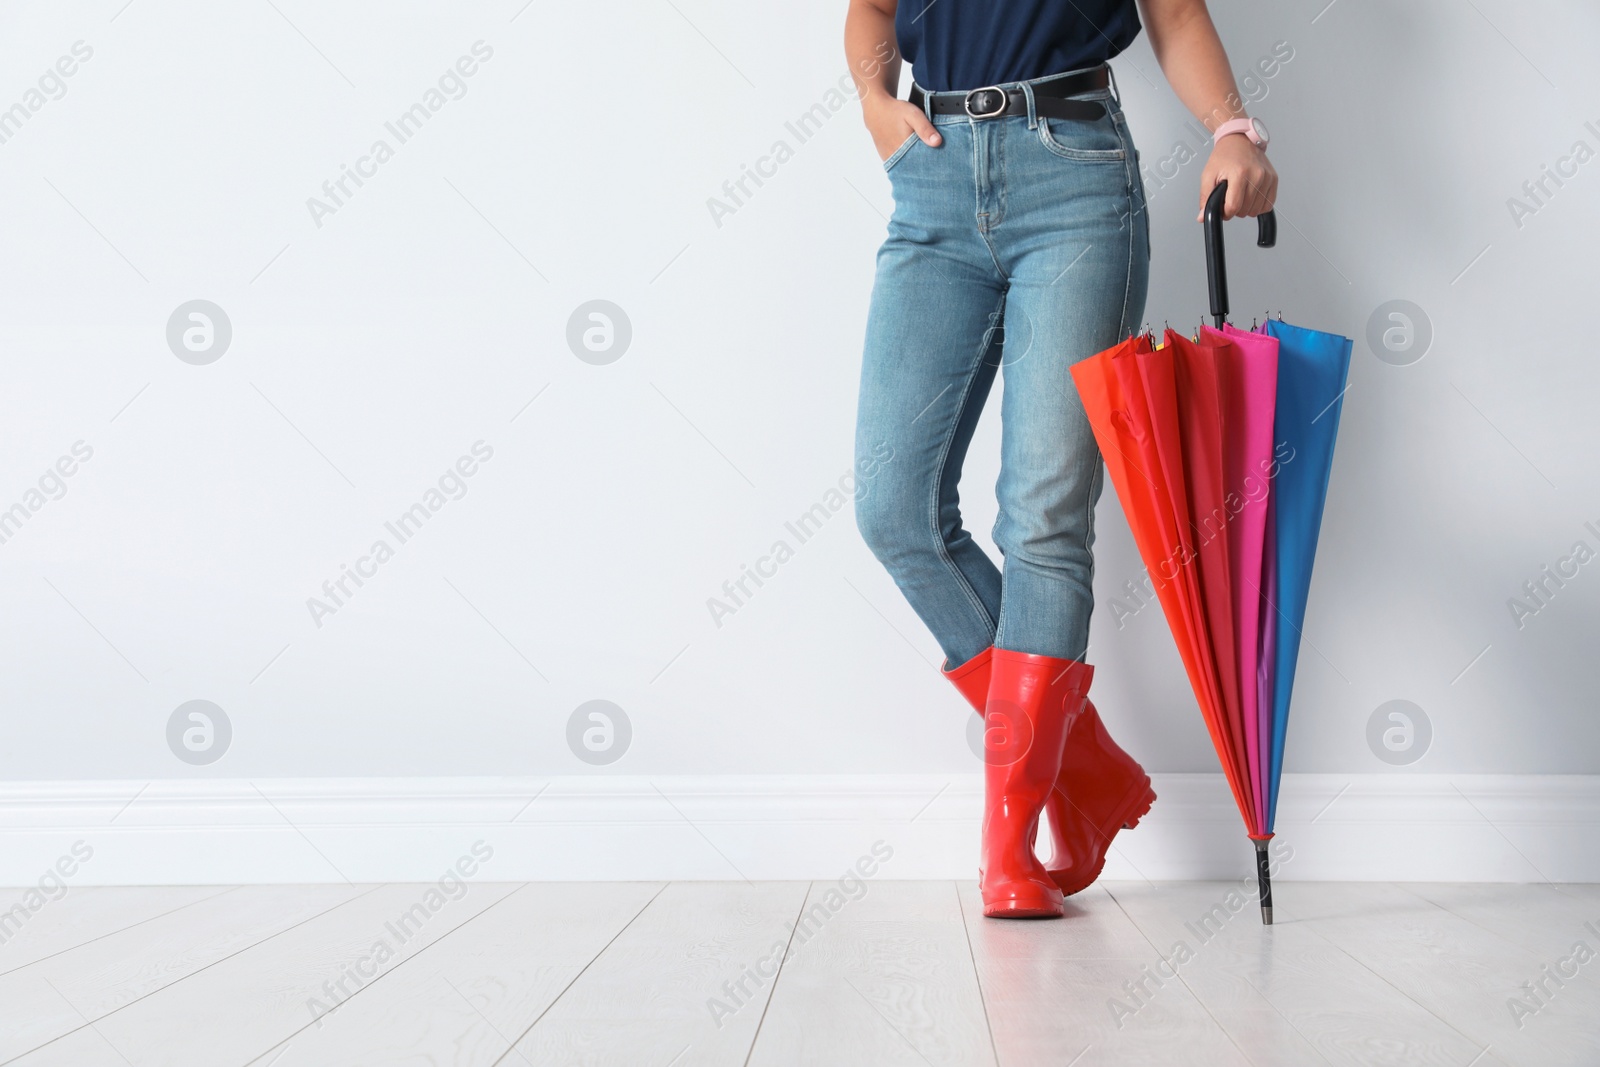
(1020, 245)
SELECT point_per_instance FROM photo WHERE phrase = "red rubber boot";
(1032, 702)
(1101, 789)
(971, 679)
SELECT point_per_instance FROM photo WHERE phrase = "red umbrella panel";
(1202, 371)
(1131, 395)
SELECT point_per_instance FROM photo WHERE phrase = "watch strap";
(1245, 126)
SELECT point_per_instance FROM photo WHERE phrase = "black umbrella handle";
(1216, 262)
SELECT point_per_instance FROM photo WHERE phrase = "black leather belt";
(1049, 99)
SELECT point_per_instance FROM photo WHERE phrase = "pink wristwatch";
(1251, 128)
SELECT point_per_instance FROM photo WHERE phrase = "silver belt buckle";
(966, 103)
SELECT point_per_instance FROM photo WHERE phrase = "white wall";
(431, 311)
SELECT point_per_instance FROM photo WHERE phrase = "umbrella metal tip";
(1266, 915)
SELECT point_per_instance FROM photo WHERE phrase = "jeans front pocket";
(1096, 141)
(899, 153)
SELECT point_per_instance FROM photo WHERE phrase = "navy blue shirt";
(967, 44)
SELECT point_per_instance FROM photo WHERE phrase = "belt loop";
(1115, 94)
(1033, 115)
(927, 100)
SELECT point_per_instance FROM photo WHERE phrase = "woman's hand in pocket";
(891, 121)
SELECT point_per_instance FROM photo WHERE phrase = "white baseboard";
(1405, 827)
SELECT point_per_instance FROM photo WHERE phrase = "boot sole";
(1135, 806)
(1013, 911)
(1023, 899)
(1024, 905)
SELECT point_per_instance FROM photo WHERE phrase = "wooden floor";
(877, 973)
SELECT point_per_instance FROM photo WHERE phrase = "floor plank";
(647, 999)
(1070, 999)
(56, 995)
(81, 1048)
(1544, 919)
(1470, 976)
(232, 1012)
(82, 915)
(892, 976)
(464, 999)
(1286, 993)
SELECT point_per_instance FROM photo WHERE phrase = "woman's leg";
(1075, 247)
(932, 350)
(1074, 242)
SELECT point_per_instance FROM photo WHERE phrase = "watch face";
(1261, 130)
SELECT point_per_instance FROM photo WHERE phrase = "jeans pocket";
(899, 153)
(1096, 141)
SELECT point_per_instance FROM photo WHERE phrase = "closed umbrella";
(1220, 448)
